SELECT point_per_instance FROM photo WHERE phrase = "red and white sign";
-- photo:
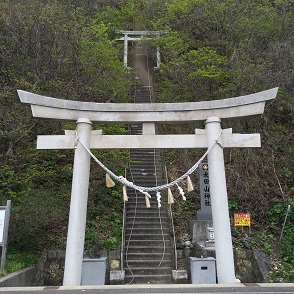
(242, 219)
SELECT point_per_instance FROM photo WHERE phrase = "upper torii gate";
(139, 36)
(84, 113)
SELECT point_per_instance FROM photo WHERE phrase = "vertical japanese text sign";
(2, 218)
(4, 223)
(205, 212)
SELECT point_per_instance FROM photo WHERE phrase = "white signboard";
(2, 218)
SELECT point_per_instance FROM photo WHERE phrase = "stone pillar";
(78, 207)
(126, 50)
(219, 205)
(158, 58)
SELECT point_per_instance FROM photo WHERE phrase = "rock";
(114, 265)
(180, 246)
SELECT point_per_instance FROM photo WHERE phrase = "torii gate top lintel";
(142, 33)
(60, 109)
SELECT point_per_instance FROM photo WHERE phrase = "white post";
(78, 207)
(158, 57)
(219, 205)
(5, 235)
(126, 50)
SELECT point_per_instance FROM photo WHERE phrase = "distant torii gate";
(138, 36)
(84, 113)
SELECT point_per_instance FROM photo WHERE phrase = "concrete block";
(22, 278)
(117, 277)
(94, 271)
(180, 276)
(114, 254)
(203, 270)
(198, 230)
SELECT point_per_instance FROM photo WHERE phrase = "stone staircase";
(148, 255)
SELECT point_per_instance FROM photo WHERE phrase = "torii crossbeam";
(84, 113)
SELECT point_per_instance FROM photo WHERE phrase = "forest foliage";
(213, 50)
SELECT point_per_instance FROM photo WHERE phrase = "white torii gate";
(84, 113)
(138, 36)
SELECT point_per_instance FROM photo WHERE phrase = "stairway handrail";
(122, 248)
(170, 214)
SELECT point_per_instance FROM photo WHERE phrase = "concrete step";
(145, 151)
(135, 256)
(142, 174)
(136, 163)
(141, 154)
(142, 166)
(131, 218)
(141, 209)
(145, 163)
(145, 182)
(150, 237)
(148, 279)
(146, 242)
(139, 205)
(148, 263)
(147, 249)
(142, 205)
(147, 220)
(151, 153)
(136, 131)
(140, 197)
(142, 212)
(140, 200)
(142, 225)
(138, 160)
(138, 218)
(147, 271)
(147, 230)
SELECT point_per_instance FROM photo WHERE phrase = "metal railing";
(122, 248)
(170, 215)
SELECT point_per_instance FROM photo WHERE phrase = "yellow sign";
(242, 219)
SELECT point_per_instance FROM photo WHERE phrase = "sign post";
(242, 220)
(4, 224)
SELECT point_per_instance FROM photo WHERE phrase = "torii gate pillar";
(78, 207)
(219, 204)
